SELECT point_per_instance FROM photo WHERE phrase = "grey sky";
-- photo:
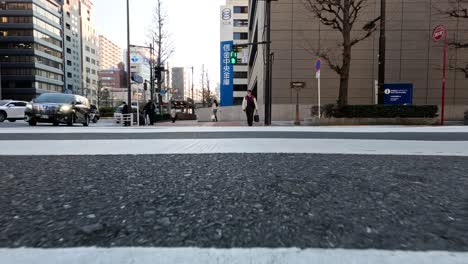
(193, 24)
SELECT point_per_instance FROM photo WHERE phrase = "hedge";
(107, 111)
(381, 111)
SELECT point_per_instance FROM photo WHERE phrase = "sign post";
(440, 33)
(318, 65)
(297, 86)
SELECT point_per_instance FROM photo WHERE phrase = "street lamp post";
(382, 51)
(129, 69)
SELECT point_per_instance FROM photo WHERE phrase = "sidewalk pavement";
(206, 124)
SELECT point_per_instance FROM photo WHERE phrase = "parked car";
(12, 110)
(94, 114)
(58, 108)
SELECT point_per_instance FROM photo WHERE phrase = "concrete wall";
(411, 54)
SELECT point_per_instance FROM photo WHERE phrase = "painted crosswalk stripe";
(209, 146)
(225, 256)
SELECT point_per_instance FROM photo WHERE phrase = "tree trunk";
(344, 73)
(344, 77)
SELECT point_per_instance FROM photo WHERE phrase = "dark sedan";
(57, 108)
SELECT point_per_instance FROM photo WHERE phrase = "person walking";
(249, 105)
(126, 111)
(215, 107)
(148, 114)
(173, 115)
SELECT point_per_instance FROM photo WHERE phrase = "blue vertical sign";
(227, 75)
(398, 94)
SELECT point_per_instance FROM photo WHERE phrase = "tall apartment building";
(412, 57)
(234, 30)
(72, 46)
(31, 51)
(179, 83)
(89, 51)
(109, 53)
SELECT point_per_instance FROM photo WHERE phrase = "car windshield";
(119, 109)
(55, 98)
(3, 102)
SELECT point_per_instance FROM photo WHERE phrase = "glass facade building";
(31, 48)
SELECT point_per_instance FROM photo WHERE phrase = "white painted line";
(209, 146)
(224, 256)
(347, 129)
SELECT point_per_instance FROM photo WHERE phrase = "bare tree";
(457, 9)
(159, 35)
(342, 16)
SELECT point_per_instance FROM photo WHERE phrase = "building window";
(69, 74)
(240, 75)
(240, 87)
(87, 48)
(68, 26)
(68, 38)
(93, 51)
(88, 70)
(241, 9)
(93, 72)
(241, 22)
(93, 61)
(88, 59)
(70, 87)
(68, 14)
(241, 36)
(69, 51)
(69, 63)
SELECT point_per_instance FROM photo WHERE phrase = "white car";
(12, 110)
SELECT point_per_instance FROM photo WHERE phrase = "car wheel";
(2, 116)
(86, 123)
(12, 120)
(95, 119)
(32, 122)
(71, 120)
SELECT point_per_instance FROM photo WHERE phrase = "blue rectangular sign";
(398, 94)
(227, 75)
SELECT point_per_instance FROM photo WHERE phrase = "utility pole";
(152, 72)
(192, 86)
(382, 51)
(208, 92)
(268, 97)
(129, 68)
(203, 85)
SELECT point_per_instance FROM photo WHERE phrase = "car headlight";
(65, 108)
(29, 106)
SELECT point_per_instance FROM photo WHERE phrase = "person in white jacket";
(215, 108)
(250, 106)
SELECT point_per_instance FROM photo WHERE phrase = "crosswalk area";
(234, 195)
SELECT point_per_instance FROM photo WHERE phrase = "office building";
(412, 56)
(109, 54)
(31, 48)
(234, 30)
(72, 46)
(89, 52)
(179, 83)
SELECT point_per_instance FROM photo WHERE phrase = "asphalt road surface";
(248, 190)
(235, 200)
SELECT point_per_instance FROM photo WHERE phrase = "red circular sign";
(439, 33)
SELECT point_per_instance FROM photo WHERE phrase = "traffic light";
(233, 56)
(157, 72)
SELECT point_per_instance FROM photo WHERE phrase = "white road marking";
(224, 256)
(209, 146)
(344, 129)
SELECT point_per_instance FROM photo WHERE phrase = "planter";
(371, 121)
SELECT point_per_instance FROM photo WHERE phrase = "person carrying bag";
(249, 106)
